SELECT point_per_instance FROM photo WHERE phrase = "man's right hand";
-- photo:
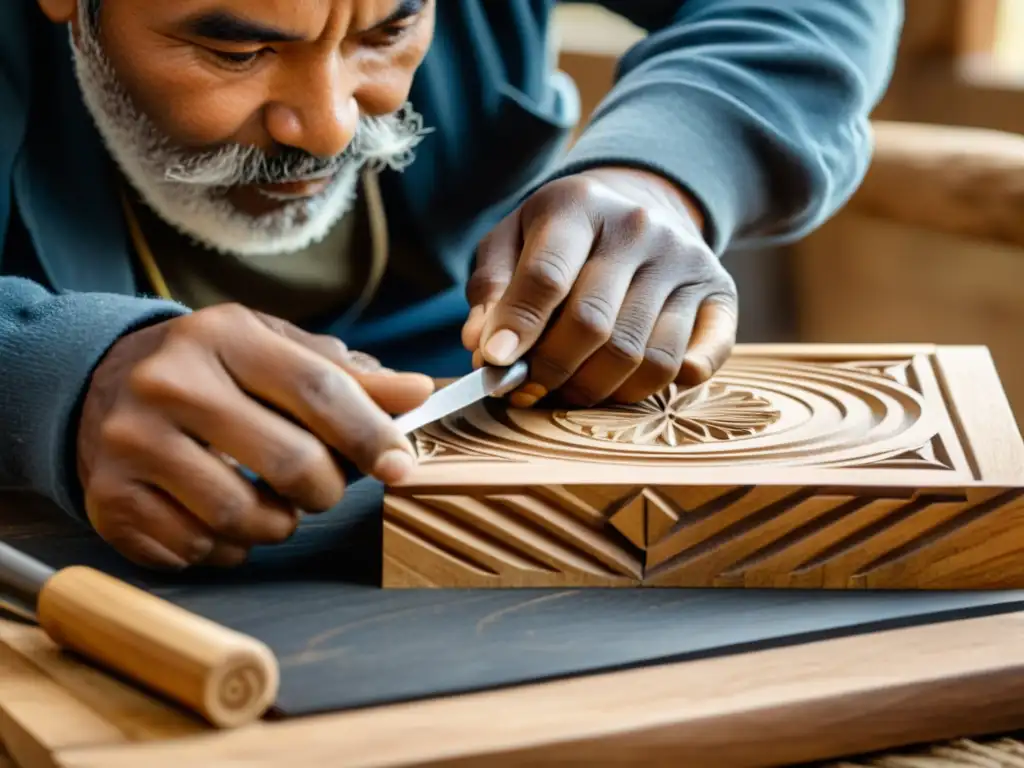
(172, 407)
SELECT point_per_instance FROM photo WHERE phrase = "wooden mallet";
(226, 677)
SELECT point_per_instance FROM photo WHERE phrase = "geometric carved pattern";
(810, 467)
(546, 537)
(721, 537)
(778, 411)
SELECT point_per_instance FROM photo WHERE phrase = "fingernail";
(502, 346)
(393, 465)
(527, 396)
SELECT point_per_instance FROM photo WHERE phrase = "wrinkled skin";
(173, 406)
(604, 281)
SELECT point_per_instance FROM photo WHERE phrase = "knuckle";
(227, 515)
(547, 273)
(156, 379)
(484, 282)
(524, 314)
(319, 386)
(593, 315)
(123, 434)
(296, 468)
(636, 221)
(662, 362)
(113, 509)
(333, 347)
(548, 370)
(626, 345)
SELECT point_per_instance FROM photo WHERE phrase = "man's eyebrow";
(229, 28)
(403, 10)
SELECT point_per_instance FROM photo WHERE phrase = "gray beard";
(186, 189)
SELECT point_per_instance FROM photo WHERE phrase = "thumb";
(496, 259)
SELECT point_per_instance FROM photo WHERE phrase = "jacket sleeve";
(758, 109)
(49, 343)
(49, 346)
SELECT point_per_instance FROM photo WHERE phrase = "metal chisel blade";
(489, 381)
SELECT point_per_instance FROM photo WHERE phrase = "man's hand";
(174, 408)
(604, 278)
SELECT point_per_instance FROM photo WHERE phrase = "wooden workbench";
(777, 707)
(808, 701)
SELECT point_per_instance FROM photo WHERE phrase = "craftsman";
(207, 205)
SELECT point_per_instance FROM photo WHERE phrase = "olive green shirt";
(340, 271)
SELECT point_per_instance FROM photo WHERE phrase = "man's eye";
(391, 34)
(239, 59)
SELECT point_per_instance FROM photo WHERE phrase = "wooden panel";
(775, 707)
(797, 466)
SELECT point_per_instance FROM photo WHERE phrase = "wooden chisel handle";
(228, 678)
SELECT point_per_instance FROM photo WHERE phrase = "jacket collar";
(65, 185)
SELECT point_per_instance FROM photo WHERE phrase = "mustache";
(385, 141)
(236, 165)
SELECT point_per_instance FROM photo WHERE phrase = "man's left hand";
(604, 281)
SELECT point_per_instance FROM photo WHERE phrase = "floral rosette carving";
(676, 417)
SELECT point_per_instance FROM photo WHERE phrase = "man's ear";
(59, 11)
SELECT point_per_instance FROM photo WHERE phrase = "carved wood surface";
(797, 466)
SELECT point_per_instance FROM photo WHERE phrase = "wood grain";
(224, 676)
(774, 707)
(810, 466)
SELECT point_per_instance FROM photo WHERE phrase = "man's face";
(244, 123)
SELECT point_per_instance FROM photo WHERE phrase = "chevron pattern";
(838, 538)
(548, 537)
(736, 536)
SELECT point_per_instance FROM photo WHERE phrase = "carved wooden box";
(813, 466)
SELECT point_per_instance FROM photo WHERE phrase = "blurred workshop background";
(931, 249)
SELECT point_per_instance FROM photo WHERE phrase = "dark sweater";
(758, 107)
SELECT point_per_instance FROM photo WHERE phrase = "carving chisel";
(227, 678)
(488, 381)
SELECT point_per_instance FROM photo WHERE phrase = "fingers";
(496, 260)
(394, 392)
(597, 314)
(555, 249)
(325, 399)
(665, 350)
(215, 411)
(146, 526)
(225, 502)
(713, 339)
(625, 351)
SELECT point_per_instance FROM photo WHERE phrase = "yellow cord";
(156, 277)
(378, 236)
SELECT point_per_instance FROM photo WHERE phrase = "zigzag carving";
(737, 536)
(831, 538)
(547, 537)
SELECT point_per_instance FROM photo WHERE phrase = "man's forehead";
(296, 18)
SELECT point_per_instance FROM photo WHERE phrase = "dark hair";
(94, 12)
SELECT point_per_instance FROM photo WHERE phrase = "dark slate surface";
(343, 642)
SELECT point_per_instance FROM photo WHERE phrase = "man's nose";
(314, 108)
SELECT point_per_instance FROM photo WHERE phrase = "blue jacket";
(759, 107)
